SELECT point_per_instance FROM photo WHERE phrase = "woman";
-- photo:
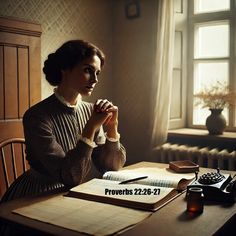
(64, 135)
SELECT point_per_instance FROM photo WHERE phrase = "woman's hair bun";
(70, 54)
(52, 70)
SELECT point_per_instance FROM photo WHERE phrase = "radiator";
(203, 156)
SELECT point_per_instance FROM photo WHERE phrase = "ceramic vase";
(216, 122)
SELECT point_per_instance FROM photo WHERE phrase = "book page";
(83, 216)
(160, 177)
(129, 192)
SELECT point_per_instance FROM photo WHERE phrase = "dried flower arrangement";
(218, 96)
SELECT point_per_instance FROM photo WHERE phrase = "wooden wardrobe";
(20, 75)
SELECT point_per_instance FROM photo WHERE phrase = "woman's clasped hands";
(105, 110)
(104, 113)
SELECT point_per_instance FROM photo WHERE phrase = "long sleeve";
(46, 155)
(108, 155)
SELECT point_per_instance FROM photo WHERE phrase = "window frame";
(180, 12)
(201, 18)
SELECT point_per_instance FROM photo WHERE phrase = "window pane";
(212, 41)
(177, 50)
(176, 99)
(206, 74)
(201, 6)
(178, 6)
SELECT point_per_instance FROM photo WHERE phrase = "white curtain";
(162, 72)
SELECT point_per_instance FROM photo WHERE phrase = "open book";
(150, 193)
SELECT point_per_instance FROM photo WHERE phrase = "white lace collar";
(63, 100)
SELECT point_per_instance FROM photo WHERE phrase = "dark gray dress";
(57, 157)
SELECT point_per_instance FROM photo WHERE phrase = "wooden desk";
(172, 219)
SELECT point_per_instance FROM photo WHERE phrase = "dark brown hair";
(69, 55)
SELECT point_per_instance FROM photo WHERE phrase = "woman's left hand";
(107, 107)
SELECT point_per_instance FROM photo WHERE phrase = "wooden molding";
(18, 26)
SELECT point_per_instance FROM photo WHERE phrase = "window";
(211, 54)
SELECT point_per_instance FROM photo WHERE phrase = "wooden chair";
(13, 162)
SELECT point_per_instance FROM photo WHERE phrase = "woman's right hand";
(99, 116)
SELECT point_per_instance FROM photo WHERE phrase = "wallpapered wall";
(62, 20)
(133, 61)
(128, 43)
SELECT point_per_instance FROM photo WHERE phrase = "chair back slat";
(23, 157)
(13, 158)
(13, 162)
(5, 172)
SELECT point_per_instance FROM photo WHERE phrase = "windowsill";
(201, 133)
(201, 137)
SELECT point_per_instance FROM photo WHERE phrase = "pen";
(132, 180)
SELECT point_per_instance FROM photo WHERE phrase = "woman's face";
(83, 77)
